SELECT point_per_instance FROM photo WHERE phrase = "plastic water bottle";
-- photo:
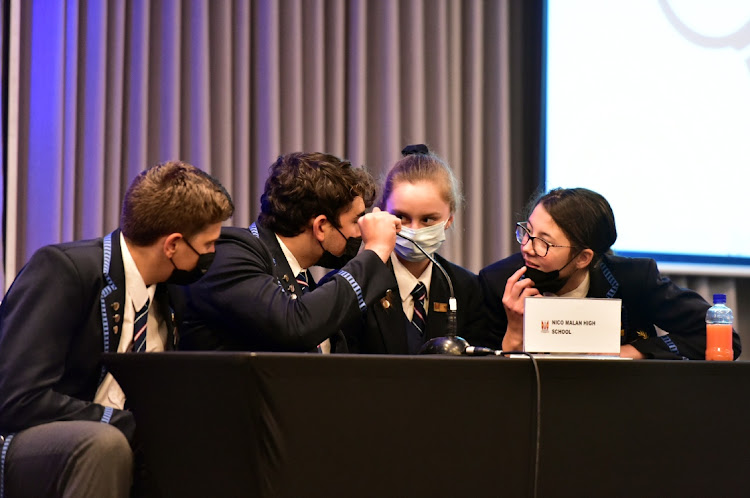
(719, 320)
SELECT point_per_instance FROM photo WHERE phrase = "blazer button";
(117, 318)
(116, 329)
(116, 306)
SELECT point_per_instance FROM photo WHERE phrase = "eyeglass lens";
(540, 246)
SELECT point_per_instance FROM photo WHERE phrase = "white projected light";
(648, 103)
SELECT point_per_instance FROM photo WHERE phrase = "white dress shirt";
(136, 293)
(325, 346)
(406, 283)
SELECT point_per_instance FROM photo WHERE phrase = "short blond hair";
(172, 197)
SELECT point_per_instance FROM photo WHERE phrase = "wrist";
(513, 340)
(629, 351)
(383, 251)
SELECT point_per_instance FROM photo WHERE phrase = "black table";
(294, 425)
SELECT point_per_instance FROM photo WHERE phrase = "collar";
(406, 281)
(582, 290)
(135, 287)
(293, 263)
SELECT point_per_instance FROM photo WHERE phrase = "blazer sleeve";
(42, 317)
(679, 312)
(492, 281)
(473, 318)
(241, 293)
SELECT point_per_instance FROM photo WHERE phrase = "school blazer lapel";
(391, 322)
(437, 315)
(282, 271)
(113, 293)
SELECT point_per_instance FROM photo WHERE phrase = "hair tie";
(415, 149)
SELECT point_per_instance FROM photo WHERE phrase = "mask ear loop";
(342, 233)
(346, 239)
(566, 264)
(191, 246)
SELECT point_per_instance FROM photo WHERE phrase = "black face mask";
(328, 260)
(187, 277)
(548, 281)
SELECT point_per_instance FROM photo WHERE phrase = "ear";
(170, 244)
(584, 259)
(449, 223)
(319, 225)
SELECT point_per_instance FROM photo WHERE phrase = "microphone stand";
(451, 343)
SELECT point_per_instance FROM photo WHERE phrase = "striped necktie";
(302, 281)
(415, 330)
(139, 329)
(304, 289)
(418, 319)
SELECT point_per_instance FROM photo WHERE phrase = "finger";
(522, 290)
(527, 292)
(375, 209)
(517, 275)
(516, 285)
(531, 292)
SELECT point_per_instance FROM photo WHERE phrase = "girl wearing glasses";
(565, 251)
(421, 190)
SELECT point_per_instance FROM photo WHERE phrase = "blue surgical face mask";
(429, 238)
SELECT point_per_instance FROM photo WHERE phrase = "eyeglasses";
(540, 246)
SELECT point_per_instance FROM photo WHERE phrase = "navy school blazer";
(62, 312)
(249, 300)
(649, 300)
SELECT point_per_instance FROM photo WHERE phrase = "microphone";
(451, 343)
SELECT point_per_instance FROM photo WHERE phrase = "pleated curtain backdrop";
(102, 89)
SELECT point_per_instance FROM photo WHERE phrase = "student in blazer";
(260, 296)
(422, 191)
(64, 430)
(565, 251)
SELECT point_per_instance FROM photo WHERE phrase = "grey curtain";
(106, 88)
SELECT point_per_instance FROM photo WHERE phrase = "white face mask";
(429, 238)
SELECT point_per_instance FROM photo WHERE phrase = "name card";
(571, 325)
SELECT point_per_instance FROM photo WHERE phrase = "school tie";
(139, 329)
(304, 289)
(416, 336)
(302, 281)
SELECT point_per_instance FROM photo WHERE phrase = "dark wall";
(526, 57)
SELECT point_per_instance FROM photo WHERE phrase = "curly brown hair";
(172, 197)
(301, 186)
